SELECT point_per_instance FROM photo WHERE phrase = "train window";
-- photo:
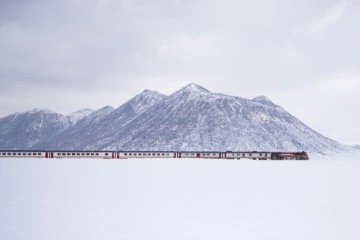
(3, 153)
(58, 154)
(24, 154)
(19, 153)
(163, 154)
(265, 154)
(92, 154)
(82, 154)
(9, 154)
(29, 154)
(97, 154)
(106, 154)
(64, 154)
(153, 154)
(68, 154)
(34, 154)
(14, 153)
(135, 154)
(167, 154)
(78, 154)
(158, 154)
(73, 154)
(260, 154)
(130, 154)
(125, 154)
(250, 154)
(39, 154)
(149, 154)
(87, 154)
(243, 154)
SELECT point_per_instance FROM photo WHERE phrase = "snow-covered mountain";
(102, 125)
(24, 130)
(192, 118)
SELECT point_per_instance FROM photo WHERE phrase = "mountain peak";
(39, 110)
(152, 92)
(149, 94)
(262, 99)
(192, 87)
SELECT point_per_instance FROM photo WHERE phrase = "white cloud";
(318, 24)
(117, 48)
(333, 15)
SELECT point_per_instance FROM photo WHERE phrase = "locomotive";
(155, 154)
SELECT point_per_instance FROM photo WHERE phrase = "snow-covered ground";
(172, 199)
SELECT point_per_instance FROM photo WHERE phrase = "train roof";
(129, 151)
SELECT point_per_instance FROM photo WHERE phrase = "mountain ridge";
(192, 118)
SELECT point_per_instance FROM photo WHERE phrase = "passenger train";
(155, 154)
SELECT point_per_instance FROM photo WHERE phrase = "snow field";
(175, 199)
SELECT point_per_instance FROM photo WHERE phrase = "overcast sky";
(72, 54)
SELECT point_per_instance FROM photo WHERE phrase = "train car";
(22, 154)
(147, 154)
(210, 154)
(80, 154)
(248, 155)
(198, 154)
(289, 156)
